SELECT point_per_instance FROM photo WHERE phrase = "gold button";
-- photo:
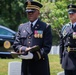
(43, 58)
(29, 37)
(37, 24)
(35, 27)
(29, 42)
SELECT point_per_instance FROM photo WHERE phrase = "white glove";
(28, 56)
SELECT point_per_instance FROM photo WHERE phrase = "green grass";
(55, 66)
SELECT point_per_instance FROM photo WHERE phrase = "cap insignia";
(70, 6)
(29, 3)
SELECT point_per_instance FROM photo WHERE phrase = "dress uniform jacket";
(39, 35)
(68, 47)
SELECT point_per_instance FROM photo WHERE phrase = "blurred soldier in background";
(68, 43)
(31, 34)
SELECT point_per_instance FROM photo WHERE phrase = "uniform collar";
(74, 24)
(34, 22)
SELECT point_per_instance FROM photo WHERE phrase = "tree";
(12, 13)
(56, 15)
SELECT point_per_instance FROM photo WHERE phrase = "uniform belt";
(70, 49)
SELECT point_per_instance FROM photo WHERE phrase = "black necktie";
(74, 28)
(31, 26)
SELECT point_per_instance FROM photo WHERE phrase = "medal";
(35, 34)
(38, 34)
(74, 35)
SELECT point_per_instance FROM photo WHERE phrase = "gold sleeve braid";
(20, 49)
(39, 55)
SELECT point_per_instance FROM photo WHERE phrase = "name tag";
(38, 34)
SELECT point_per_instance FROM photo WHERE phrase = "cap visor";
(71, 12)
(30, 10)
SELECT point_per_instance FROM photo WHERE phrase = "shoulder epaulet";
(65, 29)
(47, 25)
(21, 24)
(65, 26)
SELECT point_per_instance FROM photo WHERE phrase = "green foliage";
(56, 15)
(12, 13)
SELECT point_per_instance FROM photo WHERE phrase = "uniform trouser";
(70, 72)
(30, 67)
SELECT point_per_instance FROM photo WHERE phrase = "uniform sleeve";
(47, 41)
(17, 43)
(61, 45)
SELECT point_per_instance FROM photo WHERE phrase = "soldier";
(68, 43)
(30, 35)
